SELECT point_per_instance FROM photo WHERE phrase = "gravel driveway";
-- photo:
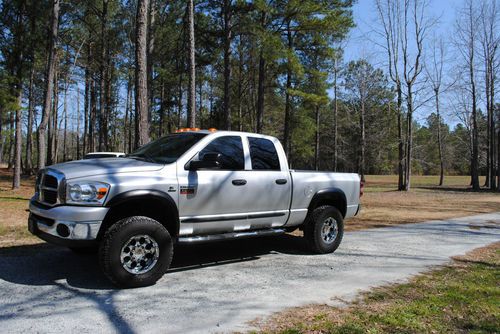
(220, 287)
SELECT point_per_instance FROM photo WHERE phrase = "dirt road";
(220, 287)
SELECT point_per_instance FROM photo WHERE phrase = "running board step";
(231, 235)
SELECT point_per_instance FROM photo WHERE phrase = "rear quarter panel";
(308, 183)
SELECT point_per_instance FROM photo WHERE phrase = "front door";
(215, 200)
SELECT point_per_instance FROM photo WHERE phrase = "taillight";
(361, 188)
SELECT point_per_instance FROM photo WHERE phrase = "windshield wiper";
(142, 156)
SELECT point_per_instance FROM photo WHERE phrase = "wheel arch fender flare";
(329, 196)
(148, 196)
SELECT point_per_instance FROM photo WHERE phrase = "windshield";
(167, 149)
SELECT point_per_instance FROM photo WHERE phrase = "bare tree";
(227, 15)
(466, 39)
(191, 116)
(336, 70)
(389, 12)
(414, 15)
(50, 72)
(490, 39)
(141, 75)
(434, 72)
(18, 92)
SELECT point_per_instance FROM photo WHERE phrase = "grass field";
(462, 297)
(381, 204)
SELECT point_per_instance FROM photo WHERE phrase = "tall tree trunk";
(489, 135)
(200, 99)
(227, 37)
(363, 139)
(475, 135)
(141, 75)
(150, 50)
(335, 115)
(191, 116)
(288, 113)
(490, 97)
(261, 92)
(54, 143)
(401, 154)
(130, 89)
(261, 81)
(16, 182)
(19, 37)
(240, 86)
(108, 106)
(495, 165)
(126, 127)
(103, 127)
(54, 25)
(29, 130)
(409, 137)
(77, 122)
(65, 112)
(179, 102)
(161, 112)
(51, 154)
(92, 116)
(440, 140)
(11, 139)
(316, 146)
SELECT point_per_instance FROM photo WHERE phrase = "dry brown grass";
(381, 204)
(13, 207)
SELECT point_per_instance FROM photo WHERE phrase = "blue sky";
(363, 39)
(365, 18)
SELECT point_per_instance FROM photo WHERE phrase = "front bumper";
(66, 225)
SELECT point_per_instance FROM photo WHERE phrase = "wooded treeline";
(110, 75)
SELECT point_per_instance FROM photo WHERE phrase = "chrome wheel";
(139, 254)
(330, 230)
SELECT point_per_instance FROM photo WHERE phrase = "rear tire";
(135, 252)
(324, 229)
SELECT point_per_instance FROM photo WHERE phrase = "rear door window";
(263, 154)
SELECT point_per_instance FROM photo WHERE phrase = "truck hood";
(93, 167)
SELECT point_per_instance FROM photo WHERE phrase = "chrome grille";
(48, 184)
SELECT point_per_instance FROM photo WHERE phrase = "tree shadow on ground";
(45, 264)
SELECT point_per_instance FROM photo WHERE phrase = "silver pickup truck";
(187, 187)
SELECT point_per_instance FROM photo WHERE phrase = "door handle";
(281, 181)
(239, 182)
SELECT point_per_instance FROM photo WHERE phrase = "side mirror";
(210, 160)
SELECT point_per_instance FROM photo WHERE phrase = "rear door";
(269, 182)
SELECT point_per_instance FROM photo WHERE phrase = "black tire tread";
(105, 246)
(311, 227)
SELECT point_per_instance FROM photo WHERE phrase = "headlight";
(86, 192)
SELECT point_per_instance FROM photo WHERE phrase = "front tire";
(324, 229)
(135, 252)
